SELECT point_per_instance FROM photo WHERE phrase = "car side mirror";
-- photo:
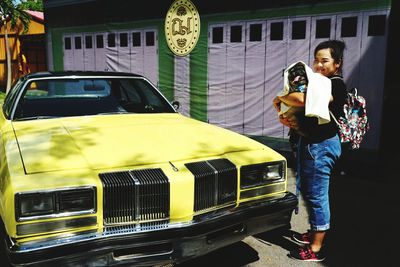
(176, 105)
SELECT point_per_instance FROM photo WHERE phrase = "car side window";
(150, 94)
(10, 99)
(129, 94)
(139, 96)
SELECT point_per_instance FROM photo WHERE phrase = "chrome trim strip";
(58, 215)
(215, 183)
(261, 191)
(161, 251)
(52, 226)
(137, 196)
(57, 189)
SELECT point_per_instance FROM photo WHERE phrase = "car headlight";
(262, 173)
(45, 204)
(36, 204)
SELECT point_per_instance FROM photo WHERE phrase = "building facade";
(235, 70)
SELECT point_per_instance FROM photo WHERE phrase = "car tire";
(5, 261)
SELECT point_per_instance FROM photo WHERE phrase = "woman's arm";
(295, 99)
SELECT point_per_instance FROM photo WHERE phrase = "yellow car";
(100, 169)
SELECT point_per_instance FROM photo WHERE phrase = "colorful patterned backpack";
(354, 124)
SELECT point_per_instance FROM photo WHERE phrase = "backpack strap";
(336, 78)
(334, 118)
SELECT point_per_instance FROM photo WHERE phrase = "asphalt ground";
(363, 232)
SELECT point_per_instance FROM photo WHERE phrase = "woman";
(318, 152)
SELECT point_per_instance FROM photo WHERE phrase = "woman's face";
(324, 63)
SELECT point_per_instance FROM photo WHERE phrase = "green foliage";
(2, 96)
(10, 10)
(35, 5)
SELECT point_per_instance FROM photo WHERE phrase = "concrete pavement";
(364, 230)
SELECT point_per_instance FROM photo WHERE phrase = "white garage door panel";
(216, 78)
(123, 51)
(150, 54)
(299, 49)
(235, 81)
(316, 40)
(111, 51)
(100, 51)
(68, 53)
(89, 55)
(78, 52)
(275, 63)
(254, 80)
(137, 52)
(352, 53)
(373, 53)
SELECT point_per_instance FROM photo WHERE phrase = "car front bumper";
(175, 244)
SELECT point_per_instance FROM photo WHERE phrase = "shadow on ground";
(239, 254)
(363, 224)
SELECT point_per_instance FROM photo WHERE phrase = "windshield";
(79, 97)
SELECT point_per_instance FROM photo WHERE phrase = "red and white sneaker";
(304, 238)
(306, 254)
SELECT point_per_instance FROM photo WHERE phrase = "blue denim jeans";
(315, 164)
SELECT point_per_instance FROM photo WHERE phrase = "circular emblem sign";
(182, 27)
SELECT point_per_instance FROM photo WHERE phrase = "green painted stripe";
(57, 46)
(199, 76)
(166, 65)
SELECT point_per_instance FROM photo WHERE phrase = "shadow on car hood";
(112, 141)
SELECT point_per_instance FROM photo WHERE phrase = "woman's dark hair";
(337, 47)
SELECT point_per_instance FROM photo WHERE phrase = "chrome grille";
(215, 183)
(136, 195)
(139, 227)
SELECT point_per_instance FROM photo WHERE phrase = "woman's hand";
(277, 104)
(284, 120)
(290, 122)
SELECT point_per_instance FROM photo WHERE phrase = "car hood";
(112, 141)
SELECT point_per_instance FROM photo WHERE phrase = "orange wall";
(35, 27)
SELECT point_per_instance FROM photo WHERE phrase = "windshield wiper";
(36, 118)
(113, 112)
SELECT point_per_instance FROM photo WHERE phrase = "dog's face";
(297, 78)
